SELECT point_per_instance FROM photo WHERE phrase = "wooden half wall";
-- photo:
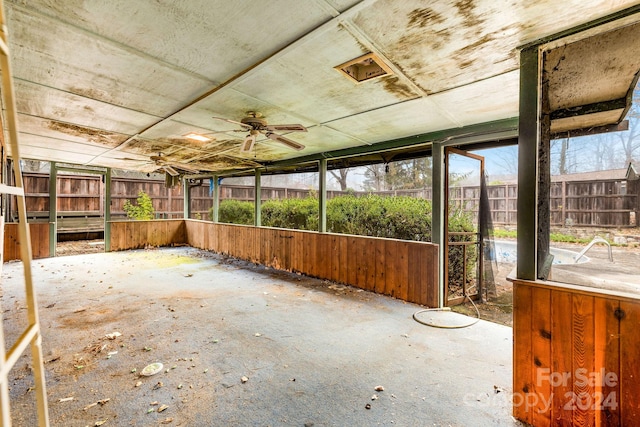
(140, 234)
(39, 233)
(575, 356)
(402, 269)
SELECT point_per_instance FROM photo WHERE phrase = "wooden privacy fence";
(406, 270)
(575, 356)
(602, 202)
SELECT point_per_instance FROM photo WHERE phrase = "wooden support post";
(216, 199)
(439, 212)
(107, 210)
(257, 199)
(528, 143)
(322, 196)
(186, 193)
(53, 209)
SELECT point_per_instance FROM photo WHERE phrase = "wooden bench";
(76, 222)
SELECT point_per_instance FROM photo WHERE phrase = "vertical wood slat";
(390, 268)
(352, 260)
(629, 375)
(523, 374)
(360, 246)
(343, 258)
(402, 270)
(608, 356)
(541, 349)
(380, 273)
(583, 359)
(561, 356)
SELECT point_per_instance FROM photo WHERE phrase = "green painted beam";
(216, 200)
(186, 191)
(529, 141)
(438, 213)
(257, 199)
(322, 196)
(107, 210)
(53, 209)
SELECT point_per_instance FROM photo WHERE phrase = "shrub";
(142, 210)
(235, 212)
(399, 217)
(298, 214)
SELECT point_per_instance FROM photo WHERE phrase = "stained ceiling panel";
(126, 80)
(321, 93)
(210, 38)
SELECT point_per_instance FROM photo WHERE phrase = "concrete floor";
(312, 352)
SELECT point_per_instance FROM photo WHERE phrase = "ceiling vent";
(364, 68)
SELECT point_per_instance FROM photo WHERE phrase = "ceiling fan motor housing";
(254, 122)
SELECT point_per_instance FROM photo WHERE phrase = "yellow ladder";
(31, 335)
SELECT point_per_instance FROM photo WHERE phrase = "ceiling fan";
(256, 124)
(172, 168)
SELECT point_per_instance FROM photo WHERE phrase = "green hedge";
(235, 212)
(399, 217)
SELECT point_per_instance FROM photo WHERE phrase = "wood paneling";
(39, 233)
(139, 234)
(575, 356)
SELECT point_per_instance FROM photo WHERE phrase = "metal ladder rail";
(31, 336)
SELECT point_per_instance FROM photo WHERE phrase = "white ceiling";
(113, 83)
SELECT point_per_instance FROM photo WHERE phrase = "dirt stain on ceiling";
(101, 137)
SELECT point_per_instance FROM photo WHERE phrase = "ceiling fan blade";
(244, 125)
(248, 143)
(171, 171)
(286, 141)
(291, 128)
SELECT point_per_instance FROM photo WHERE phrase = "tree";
(341, 177)
(374, 177)
(142, 210)
(409, 174)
